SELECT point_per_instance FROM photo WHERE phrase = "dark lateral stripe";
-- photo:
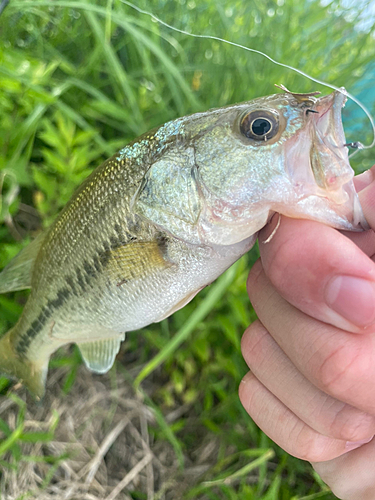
(118, 229)
(81, 280)
(89, 269)
(62, 296)
(38, 324)
(76, 286)
(121, 237)
(71, 284)
(96, 263)
(114, 240)
(106, 246)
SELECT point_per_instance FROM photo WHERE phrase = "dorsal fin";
(17, 274)
(100, 355)
(300, 97)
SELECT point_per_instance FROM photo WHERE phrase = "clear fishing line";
(359, 145)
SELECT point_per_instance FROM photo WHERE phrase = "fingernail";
(352, 445)
(352, 298)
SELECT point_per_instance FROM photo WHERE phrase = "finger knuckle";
(351, 425)
(340, 371)
(253, 276)
(343, 486)
(248, 392)
(347, 488)
(252, 343)
(309, 445)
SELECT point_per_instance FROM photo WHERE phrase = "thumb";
(366, 181)
(365, 186)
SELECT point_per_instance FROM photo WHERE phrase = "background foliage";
(78, 80)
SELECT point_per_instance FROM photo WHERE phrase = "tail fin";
(31, 375)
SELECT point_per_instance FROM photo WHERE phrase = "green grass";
(78, 80)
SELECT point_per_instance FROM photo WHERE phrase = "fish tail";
(32, 375)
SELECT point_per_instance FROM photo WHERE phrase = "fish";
(165, 216)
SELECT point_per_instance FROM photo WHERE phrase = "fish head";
(282, 154)
(231, 169)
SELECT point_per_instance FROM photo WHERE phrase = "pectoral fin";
(100, 355)
(135, 260)
(17, 274)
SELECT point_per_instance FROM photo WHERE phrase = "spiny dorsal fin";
(17, 274)
(299, 96)
(100, 355)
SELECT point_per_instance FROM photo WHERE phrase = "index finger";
(321, 272)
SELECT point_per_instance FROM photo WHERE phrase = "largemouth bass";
(166, 215)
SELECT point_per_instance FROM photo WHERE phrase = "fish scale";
(165, 216)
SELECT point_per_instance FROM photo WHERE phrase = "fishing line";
(359, 145)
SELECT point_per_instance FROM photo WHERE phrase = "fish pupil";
(261, 126)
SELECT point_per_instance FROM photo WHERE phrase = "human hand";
(312, 353)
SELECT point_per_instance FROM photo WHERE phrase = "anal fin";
(99, 355)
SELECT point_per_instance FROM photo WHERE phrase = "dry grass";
(105, 444)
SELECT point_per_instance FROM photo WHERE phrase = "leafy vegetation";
(81, 78)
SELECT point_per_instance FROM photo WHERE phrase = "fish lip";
(328, 121)
(330, 134)
(328, 139)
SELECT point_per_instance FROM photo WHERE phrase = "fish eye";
(260, 125)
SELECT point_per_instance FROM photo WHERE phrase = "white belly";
(142, 301)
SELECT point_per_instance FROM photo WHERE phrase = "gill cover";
(220, 181)
(169, 196)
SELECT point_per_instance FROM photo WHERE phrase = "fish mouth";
(330, 163)
(328, 154)
(329, 113)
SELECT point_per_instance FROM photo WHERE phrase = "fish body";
(168, 214)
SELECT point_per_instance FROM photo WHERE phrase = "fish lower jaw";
(222, 231)
(346, 216)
